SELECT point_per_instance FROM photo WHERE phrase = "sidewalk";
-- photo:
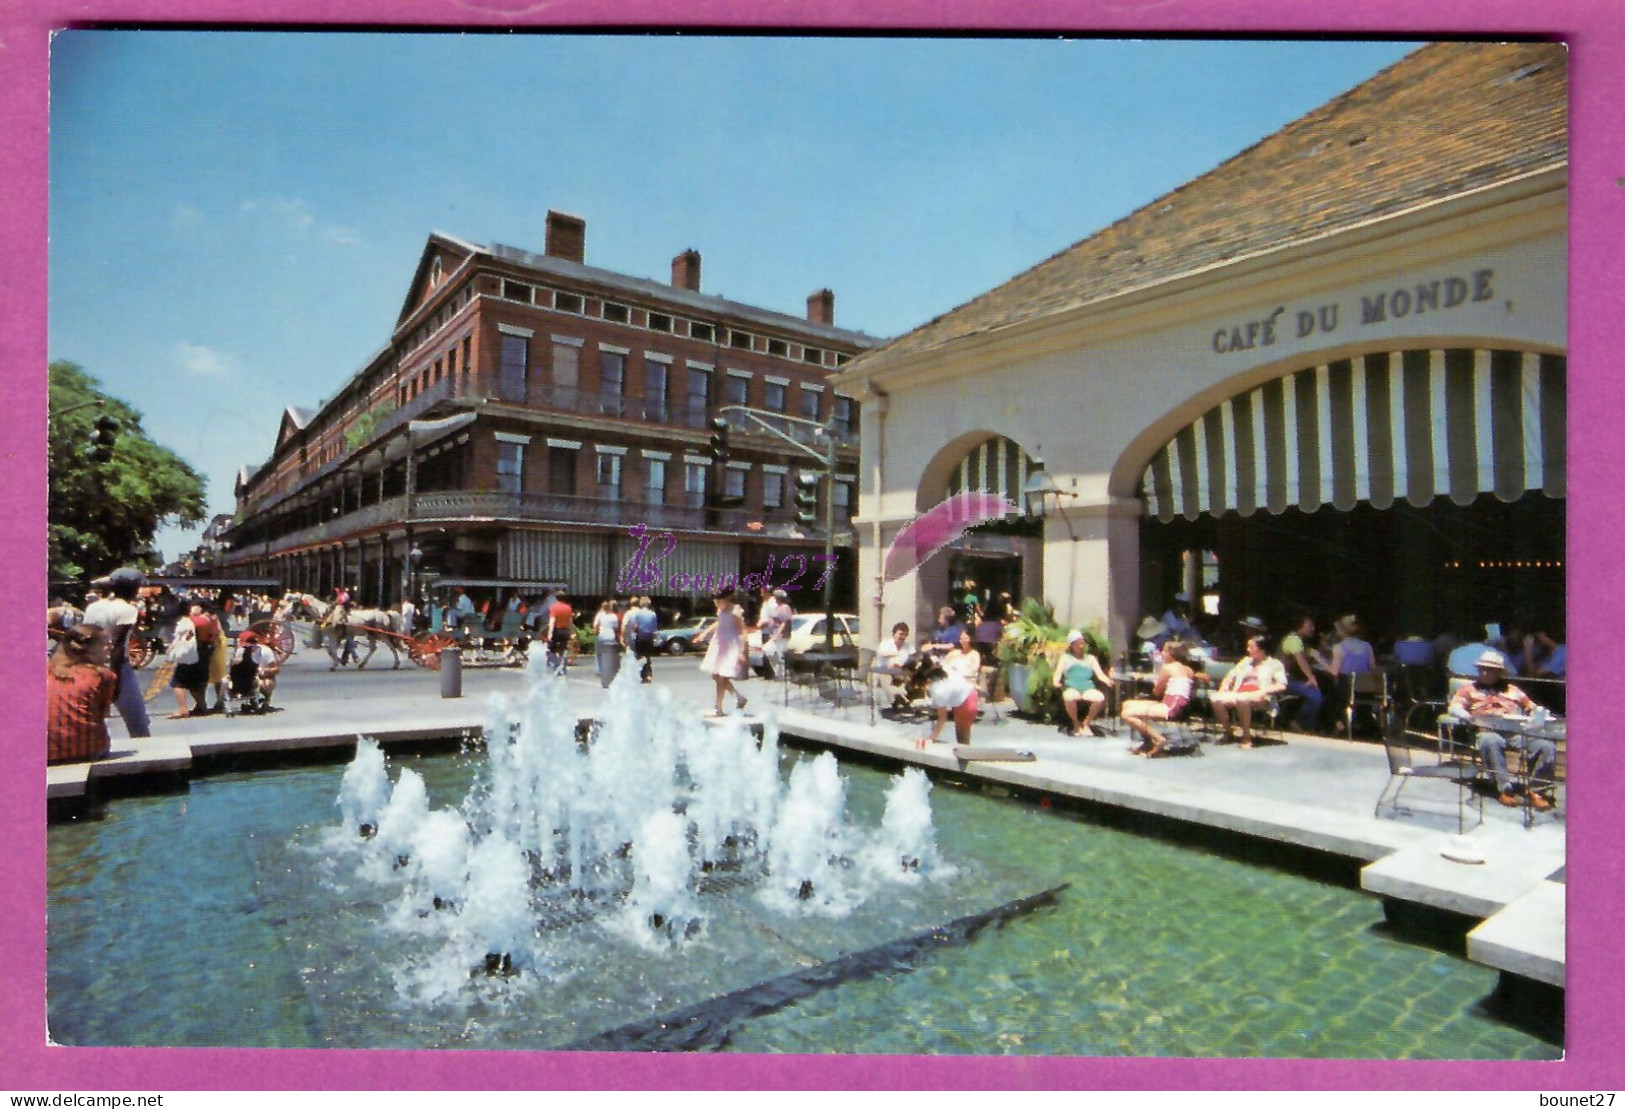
(1309, 792)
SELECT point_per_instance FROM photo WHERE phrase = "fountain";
(648, 830)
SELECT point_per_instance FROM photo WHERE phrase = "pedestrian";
(194, 644)
(607, 625)
(80, 691)
(775, 626)
(726, 659)
(560, 627)
(638, 633)
(409, 616)
(117, 615)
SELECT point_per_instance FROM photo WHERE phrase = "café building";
(1330, 374)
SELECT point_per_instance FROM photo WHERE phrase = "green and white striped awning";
(1375, 428)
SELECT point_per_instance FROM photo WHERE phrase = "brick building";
(529, 410)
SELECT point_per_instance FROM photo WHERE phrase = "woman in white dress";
(727, 656)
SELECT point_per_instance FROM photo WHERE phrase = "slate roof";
(1447, 118)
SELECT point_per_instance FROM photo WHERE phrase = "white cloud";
(294, 215)
(188, 217)
(201, 360)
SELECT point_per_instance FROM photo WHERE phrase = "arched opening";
(1422, 489)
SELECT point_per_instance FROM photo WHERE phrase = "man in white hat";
(1490, 694)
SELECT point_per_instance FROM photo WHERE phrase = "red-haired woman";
(79, 694)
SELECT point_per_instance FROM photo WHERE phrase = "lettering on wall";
(1397, 303)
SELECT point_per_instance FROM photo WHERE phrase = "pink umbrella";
(928, 534)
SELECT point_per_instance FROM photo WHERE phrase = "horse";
(376, 623)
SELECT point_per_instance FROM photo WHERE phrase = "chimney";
(685, 270)
(821, 307)
(566, 237)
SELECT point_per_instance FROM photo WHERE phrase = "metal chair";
(1414, 754)
(1368, 691)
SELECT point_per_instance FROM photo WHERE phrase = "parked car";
(679, 638)
(807, 631)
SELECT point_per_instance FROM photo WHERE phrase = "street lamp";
(414, 557)
(1039, 488)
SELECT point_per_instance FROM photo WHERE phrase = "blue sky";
(235, 216)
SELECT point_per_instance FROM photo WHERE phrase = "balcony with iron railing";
(554, 398)
(443, 507)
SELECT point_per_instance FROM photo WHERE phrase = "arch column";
(1091, 564)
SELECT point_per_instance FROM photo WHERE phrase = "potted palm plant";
(1029, 650)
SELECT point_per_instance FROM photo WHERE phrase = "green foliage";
(100, 513)
(364, 426)
(1036, 640)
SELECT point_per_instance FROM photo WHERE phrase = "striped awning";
(1413, 425)
(997, 465)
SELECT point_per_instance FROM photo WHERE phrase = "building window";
(772, 490)
(702, 331)
(654, 481)
(736, 390)
(561, 471)
(510, 468)
(615, 313)
(514, 290)
(843, 413)
(694, 483)
(611, 373)
(659, 321)
(809, 403)
(739, 340)
(733, 483)
(773, 396)
(515, 366)
(778, 347)
(566, 372)
(567, 302)
(699, 391)
(609, 476)
(654, 391)
(813, 355)
(468, 355)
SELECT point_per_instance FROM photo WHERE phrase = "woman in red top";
(79, 694)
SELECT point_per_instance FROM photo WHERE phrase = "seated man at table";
(1490, 694)
(891, 658)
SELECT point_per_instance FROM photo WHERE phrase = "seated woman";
(1176, 682)
(1351, 655)
(949, 692)
(1076, 675)
(1250, 683)
(890, 659)
(80, 689)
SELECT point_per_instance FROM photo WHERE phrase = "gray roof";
(695, 302)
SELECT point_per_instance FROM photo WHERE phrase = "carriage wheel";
(426, 647)
(139, 648)
(277, 636)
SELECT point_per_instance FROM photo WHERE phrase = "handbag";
(183, 650)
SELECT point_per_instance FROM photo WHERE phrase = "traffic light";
(807, 498)
(101, 449)
(719, 440)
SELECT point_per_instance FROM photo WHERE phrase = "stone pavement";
(1308, 792)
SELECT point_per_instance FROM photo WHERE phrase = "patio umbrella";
(928, 534)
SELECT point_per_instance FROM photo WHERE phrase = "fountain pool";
(246, 913)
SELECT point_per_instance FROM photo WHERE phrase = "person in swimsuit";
(1176, 682)
(1076, 676)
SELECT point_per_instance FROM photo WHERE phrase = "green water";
(188, 920)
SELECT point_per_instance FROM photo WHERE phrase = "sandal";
(743, 701)
(179, 715)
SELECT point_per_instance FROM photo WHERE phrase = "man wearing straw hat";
(1490, 694)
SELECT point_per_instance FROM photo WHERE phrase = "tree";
(106, 505)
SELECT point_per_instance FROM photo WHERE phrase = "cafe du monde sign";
(1425, 297)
